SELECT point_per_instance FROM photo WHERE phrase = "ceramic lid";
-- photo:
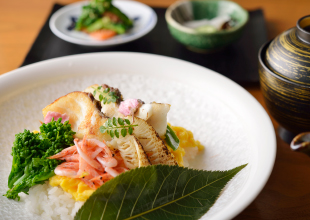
(288, 55)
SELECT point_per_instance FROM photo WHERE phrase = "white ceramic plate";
(144, 21)
(225, 118)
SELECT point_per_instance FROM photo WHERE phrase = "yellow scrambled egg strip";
(81, 192)
(76, 187)
(186, 138)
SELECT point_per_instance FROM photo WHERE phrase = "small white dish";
(224, 117)
(144, 18)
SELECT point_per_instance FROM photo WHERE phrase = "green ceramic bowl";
(183, 11)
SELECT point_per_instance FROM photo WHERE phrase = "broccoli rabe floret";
(60, 134)
(30, 153)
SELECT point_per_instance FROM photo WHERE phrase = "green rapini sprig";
(116, 126)
(31, 151)
(106, 96)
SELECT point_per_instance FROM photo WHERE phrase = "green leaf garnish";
(113, 125)
(103, 129)
(100, 97)
(114, 121)
(111, 133)
(120, 121)
(157, 192)
(130, 130)
(113, 99)
(105, 96)
(109, 123)
(116, 132)
(172, 139)
(104, 100)
(124, 132)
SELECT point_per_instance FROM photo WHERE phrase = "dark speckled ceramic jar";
(284, 70)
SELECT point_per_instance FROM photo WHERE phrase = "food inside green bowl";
(221, 22)
(206, 29)
(102, 20)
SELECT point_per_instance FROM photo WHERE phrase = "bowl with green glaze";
(199, 40)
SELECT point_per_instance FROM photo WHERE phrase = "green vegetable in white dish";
(102, 20)
(171, 138)
(30, 152)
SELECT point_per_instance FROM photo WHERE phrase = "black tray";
(237, 62)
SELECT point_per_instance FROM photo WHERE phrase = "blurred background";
(21, 21)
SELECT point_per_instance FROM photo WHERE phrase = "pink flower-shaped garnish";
(129, 106)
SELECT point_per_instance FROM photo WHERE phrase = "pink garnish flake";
(48, 118)
(129, 106)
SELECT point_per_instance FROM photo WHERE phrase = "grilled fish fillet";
(153, 145)
(111, 108)
(155, 114)
(85, 117)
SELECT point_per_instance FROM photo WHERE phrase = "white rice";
(51, 202)
(190, 153)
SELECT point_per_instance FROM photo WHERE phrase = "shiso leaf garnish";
(157, 192)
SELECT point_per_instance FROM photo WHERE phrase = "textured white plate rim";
(262, 133)
(146, 29)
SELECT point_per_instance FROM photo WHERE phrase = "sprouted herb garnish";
(116, 126)
(106, 96)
